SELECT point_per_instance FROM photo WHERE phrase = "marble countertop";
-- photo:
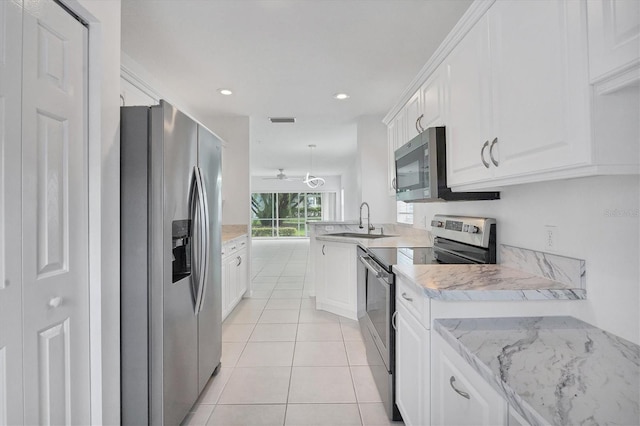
(552, 370)
(230, 232)
(485, 282)
(418, 240)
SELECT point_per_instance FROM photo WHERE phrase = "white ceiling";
(287, 58)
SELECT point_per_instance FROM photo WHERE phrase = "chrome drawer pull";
(405, 297)
(393, 321)
(463, 394)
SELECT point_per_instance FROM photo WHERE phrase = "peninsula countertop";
(552, 370)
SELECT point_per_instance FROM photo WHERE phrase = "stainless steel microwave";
(421, 171)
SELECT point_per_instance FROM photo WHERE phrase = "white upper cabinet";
(432, 100)
(396, 137)
(469, 114)
(413, 114)
(540, 86)
(518, 93)
(529, 91)
(614, 41)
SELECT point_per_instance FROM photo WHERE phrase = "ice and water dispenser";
(181, 238)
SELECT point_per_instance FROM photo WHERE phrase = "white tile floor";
(283, 362)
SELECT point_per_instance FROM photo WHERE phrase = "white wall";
(597, 219)
(104, 88)
(372, 167)
(236, 191)
(352, 195)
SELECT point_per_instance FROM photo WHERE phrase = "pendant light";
(312, 181)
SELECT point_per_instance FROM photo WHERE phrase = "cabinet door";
(392, 134)
(340, 284)
(432, 98)
(460, 395)
(412, 368)
(413, 110)
(540, 86)
(469, 114)
(338, 291)
(614, 37)
(225, 287)
(242, 273)
(319, 269)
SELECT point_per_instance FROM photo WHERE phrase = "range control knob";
(473, 229)
(437, 223)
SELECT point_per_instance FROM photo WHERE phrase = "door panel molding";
(54, 374)
(52, 195)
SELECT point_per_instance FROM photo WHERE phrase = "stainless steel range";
(458, 240)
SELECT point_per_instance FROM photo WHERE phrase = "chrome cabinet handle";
(393, 183)
(419, 127)
(493, 160)
(393, 320)
(323, 253)
(463, 394)
(484, 146)
(405, 297)
(239, 261)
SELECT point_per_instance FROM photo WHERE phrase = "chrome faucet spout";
(369, 226)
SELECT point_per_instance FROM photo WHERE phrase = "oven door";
(378, 307)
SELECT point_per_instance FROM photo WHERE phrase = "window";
(284, 214)
(404, 212)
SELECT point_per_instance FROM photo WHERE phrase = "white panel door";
(469, 114)
(614, 36)
(55, 217)
(412, 368)
(540, 85)
(432, 95)
(10, 214)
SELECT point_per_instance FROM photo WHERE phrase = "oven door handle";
(378, 271)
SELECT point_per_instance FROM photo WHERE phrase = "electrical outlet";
(328, 228)
(551, 237)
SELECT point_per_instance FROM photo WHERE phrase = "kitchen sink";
(358, 235)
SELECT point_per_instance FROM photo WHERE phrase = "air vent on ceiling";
(282, 119)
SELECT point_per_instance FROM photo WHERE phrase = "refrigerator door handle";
(204, 238)
(198, 245)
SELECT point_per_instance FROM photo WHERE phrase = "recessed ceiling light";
(341, 96)
(225, 92)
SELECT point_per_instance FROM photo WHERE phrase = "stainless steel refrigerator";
(170, 262)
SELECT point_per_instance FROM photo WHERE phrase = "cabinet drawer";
(232, 246)
(411, 296)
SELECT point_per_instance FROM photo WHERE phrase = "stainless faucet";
(369, 226)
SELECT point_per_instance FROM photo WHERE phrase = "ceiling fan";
(282, 176)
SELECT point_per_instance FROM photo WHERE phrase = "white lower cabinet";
(335, 278)
(460, 396)
(412, 367)
(235, 273)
